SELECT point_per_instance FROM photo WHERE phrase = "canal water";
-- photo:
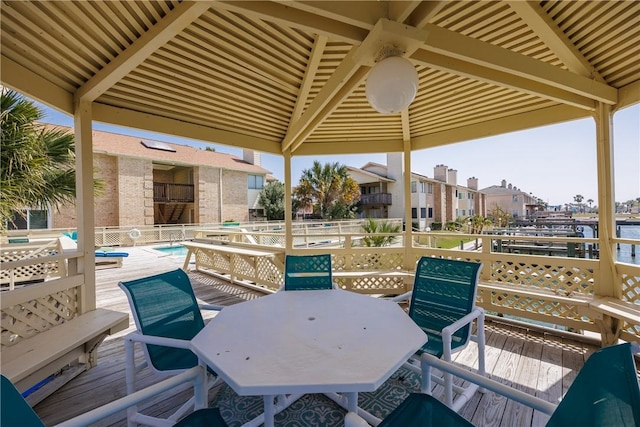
(624, 252)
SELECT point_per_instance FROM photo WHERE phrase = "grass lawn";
(446, 241)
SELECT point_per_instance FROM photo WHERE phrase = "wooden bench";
(242, 264)
(70, 344)
(614, 308)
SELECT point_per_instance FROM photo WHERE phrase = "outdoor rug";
(316, 409)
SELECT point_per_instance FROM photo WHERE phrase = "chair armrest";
(353, 420)
(121, 404)
(155, 340)
(428, 361)
(475, 313)
(405, 296)
(210, 307)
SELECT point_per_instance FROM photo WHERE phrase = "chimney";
(509, 186)
(440, 173)
(503, 184)
(472, 183)
(251, 157)
(452, 177)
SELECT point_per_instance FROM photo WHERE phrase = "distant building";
(150, 182)
(439, 199)
(510, 199)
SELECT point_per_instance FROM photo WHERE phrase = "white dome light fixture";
(391, 85)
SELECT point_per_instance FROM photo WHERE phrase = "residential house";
(150, 182)
(433, 200)
(511, 200)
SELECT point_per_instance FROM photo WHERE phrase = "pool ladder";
(173, 238)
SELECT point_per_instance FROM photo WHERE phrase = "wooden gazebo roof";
(278, 76)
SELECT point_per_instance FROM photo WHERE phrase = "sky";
(554, 163)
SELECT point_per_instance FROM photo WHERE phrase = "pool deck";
(539, 363)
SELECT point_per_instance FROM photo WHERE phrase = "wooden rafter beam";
(476, 52)
(312, 68)
(345, 90)
(153, 123)
(543, 117)
(287, 15)
(401, 10)
(545, 28)
(501, 78)
(342, 81)
(469, 51)
(425, 11)
(172, 24)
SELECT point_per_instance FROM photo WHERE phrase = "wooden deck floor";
(537, 363)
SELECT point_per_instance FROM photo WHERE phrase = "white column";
(608, 283)
(288, 214)
(85, 204)
(406, 175)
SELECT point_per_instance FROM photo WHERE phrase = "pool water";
(175, 250)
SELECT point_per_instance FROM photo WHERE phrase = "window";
(414, 212)
(29, 219)
(256, 182)
(430, 213)
(515, 198)
(423, 187)
(423, 212)
(414, 187)
(430, 188)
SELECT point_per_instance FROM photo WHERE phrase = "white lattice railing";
(545, 288)
(552, 289)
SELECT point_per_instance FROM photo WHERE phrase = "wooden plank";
(549, 385)
(493, 349)
(617, 308)
(505, 372)
(525, 380)
(228, 249)
(105, 382)
(26, 357)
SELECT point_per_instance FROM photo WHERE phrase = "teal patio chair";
(604, 393)
(15, 411)
(443, 304)
(307, 272)
(167, 316)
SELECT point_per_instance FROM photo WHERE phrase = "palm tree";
(578, 198)
(37, 162)
(372, 227)
(329, 189)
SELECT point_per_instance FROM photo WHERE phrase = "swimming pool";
(175, 250)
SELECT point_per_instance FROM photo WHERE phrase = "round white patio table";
(292, 343)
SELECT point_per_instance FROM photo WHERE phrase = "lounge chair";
(167, 316)
(605, 393)
(15, 411)
(443, 305)
(307, 272)
(109, 258)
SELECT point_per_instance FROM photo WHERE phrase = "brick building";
(433, 200)
(149, 182)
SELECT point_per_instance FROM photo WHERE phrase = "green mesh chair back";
(164, 305)
(605, 392)
(208, 417)
(421, 410)
(14, 410)
(307, 272)
(444, 291)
